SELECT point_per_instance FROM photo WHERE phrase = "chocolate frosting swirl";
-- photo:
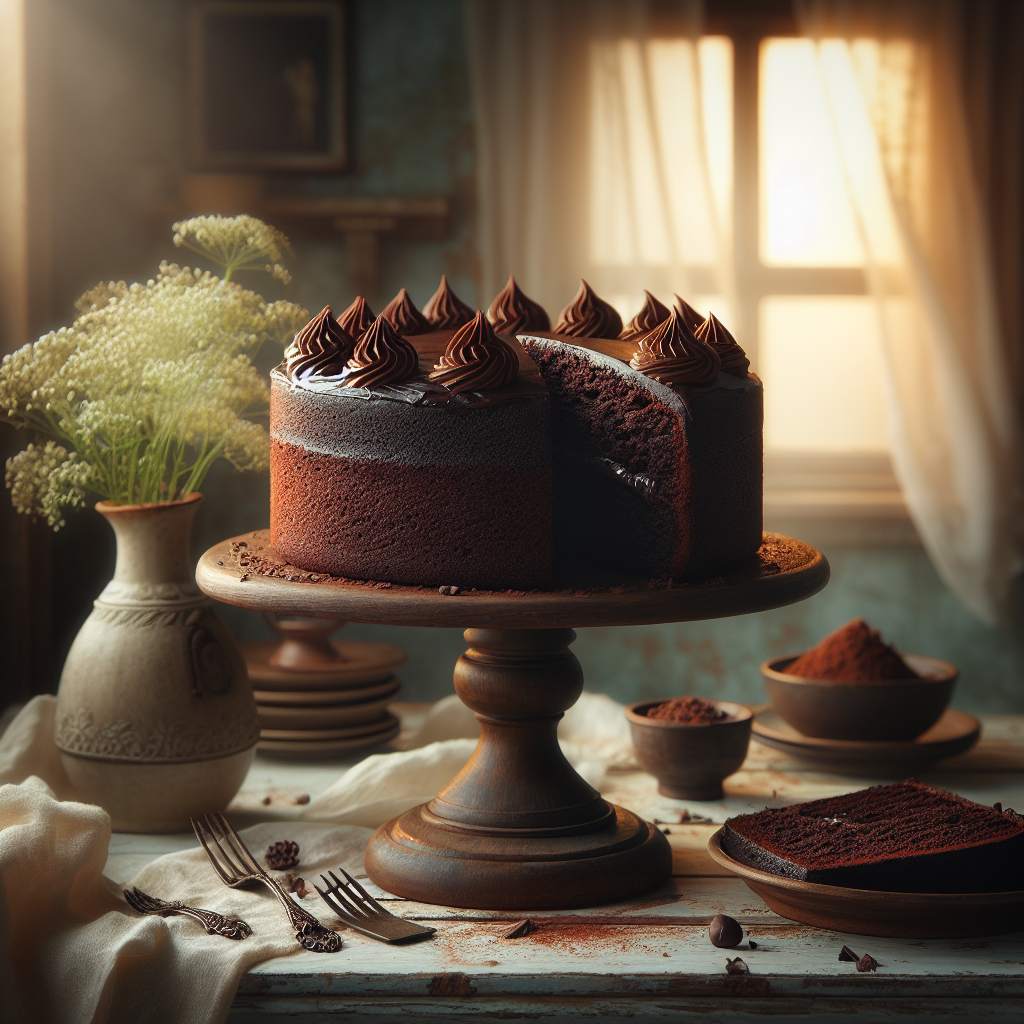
(690, 316)
(671, 354)
(358, 318)
(587, 316)
(512, 311)
(651, 314)
(382, 356)
(404, 316)
(446, 311)
(476, 359)
(713, 333)
(320, 348)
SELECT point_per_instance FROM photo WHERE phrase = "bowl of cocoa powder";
(855, 686)
(690, 744)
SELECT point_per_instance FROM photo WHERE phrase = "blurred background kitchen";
(840, 182)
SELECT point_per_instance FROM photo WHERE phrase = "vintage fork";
(358, 909)
(214, 923)
(237, 867)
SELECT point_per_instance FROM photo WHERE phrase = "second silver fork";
(237, 867)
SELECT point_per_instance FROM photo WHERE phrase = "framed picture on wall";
(267, 85)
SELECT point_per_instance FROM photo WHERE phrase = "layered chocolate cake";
(426, 465)
(434, 448)
(658, 450)
(906, 837)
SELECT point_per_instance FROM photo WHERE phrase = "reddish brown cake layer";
(649, 480)
(906, 837)
(410, 524)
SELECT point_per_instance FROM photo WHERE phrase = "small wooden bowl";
(690, 761)
(892, 709)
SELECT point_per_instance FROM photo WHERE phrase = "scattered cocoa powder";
(687, 711)
(853, 654)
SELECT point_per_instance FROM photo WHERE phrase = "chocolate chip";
(520, 930)
(724, 932)
(265, 801)
(304, 799)
(751, 943)
(866, 963)
(848, 954)
(667, 831)
(736, 966)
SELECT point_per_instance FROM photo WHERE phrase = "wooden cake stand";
(517, 828)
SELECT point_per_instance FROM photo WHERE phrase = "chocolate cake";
(380, 472)
(655, 446)
(433, 450)
(906, 837)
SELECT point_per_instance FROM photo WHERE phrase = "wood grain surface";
(235, 572)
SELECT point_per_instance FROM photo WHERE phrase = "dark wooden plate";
(246, 571)
(904, 915)
(952, 734)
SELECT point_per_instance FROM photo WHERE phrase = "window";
(748, 172)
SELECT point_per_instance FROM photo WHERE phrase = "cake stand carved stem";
(517, 828)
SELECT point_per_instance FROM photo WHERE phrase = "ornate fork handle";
(214, 923)
(309, 932)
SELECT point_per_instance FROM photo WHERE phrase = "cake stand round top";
(247, 572)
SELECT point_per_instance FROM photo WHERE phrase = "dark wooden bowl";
(690, 761)
(893, 709)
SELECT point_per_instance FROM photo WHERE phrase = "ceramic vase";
(156, 720)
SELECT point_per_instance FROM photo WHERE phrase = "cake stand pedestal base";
(518, 828)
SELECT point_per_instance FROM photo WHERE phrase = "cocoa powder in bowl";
(855, 653)
(688, 711)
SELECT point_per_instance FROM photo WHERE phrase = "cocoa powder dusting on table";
(853, 654)
(687, 711)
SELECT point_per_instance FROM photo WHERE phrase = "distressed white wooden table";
(650, 959)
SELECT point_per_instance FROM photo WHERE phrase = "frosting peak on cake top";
(476, 359)
(588, 316)
(713, 333)
(356, 320)
(672, 354)
(445, 310)
(513, 311)
(690, 316)
(651, 314)
(404, 316)
(320, 348)
(382, 356)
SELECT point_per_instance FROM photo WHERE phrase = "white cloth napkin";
(72, 951)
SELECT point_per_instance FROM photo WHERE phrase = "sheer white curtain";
(596, 154)
(891, 78)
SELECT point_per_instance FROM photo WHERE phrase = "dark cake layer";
(901, 838)
(674, 478)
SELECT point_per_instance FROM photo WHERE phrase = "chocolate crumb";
(736, 966)
(866, 963)
(520, 930)
(448, 591)
(245, 576)
(725, 932)
(664, 954)
(997, 806)
(304, 799)
(667, 831)
(284, 854)
(300, 889)
(265, 801)
(848, 954)
(751, 943)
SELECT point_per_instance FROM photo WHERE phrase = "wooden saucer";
(385, 722)
(341, 716)
(322, 698)
(365, 662)
(904, 915)
(311, 749)
(952, 734)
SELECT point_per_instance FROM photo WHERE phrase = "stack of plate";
(320, 698)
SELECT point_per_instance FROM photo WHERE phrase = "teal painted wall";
(118, 85)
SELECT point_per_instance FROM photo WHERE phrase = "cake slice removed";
(906, 837)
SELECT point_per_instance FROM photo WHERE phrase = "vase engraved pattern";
(78, 733)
